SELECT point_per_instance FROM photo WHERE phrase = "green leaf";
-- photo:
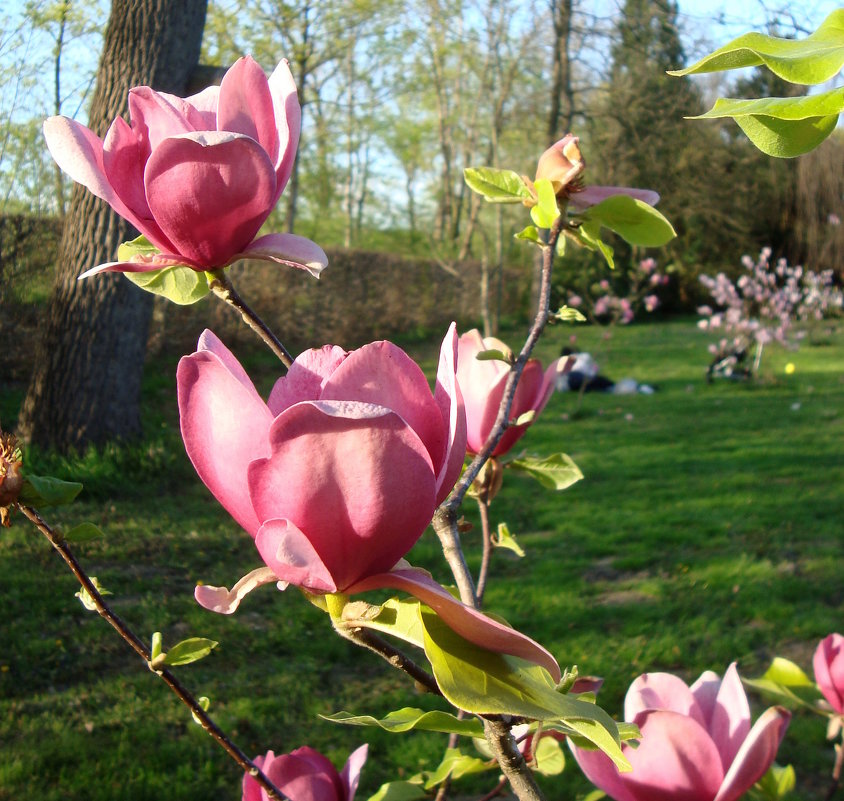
(530, 234)
(456, 764)
(85, 597)
(398, 618)
(181, 285)
(140, 246)
(524, 418)
(187, 651)
(595, 795)
(794, 696)
(783, 127)
(410, 718)
(777, 782)
(588, 235)
(557, 471)
(633, 220)
(492, 355)
(567, 314)
(812, 60)
(84, 532)
(497, 186)
(48, 491)
(155, 646)
(545, 211)
(398, 791)
(784, 671)
(549, 757)
(204, 703)
(504, 539)
(484, 682)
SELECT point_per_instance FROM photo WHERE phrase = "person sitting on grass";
(584, 376)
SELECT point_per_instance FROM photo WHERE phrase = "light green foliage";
(783, 127)
(181, 285)
(492, 355)
(412, 718)
(567, 314)
(785, 683)
(545, 212)
(455, 764)
(633, 220)
(85, 597)
(48, 491)
(205, 704)
(549, 757)
(504, 539)
(776, 784)
(183, 653)
(812, 60)
(497, 186)
(557, 471)
(530, 234)
(398, 618)
(84, 532)
(398, 791)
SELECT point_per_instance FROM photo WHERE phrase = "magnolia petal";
(449, 399)
(730, 723)
(350, 776)
(663, 691)
(209, 341)
(288, 118)
(225, 426)
(353, 477)
(289, 249)
(210, 192)
(305, 775)
(602, 772)
(158, 115)
(305, 378)
(705, 691)
(526, 398)
(141, 264)
(482, 386)
(245, 105)
(124, 156)
(828, 664)
(592, 195)
(756, 754)
(290, 556)
(469, 623)
(225, 601)
(204, 108)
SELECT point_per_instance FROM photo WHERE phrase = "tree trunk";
(85, 388)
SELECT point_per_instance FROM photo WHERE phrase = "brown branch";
(223, 288)
(137, 645)
(511, 761)
(483, 573)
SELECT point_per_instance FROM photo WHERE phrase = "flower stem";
(137, 645)
(222, 287)
(486, 534)
(836, 770)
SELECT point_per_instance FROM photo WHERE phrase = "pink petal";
(756, 754)
(528, 396)
(288, 249)
(225, 426)
(447, 396)
(225, 601)
(353, 477)
(383, 374)
(140, 264)
(828, 663)
(602, 772)
(305, 378)
(350, 776)
(252, 791)
(210, 193)
(288, 117)
(157, 116)
(305, 775)
(469, 623)
(291, 557)
(245, 105)
(730, 722)
(203, 105)
(209, 341)
(663, 691)
(705, 691)
(592, 195)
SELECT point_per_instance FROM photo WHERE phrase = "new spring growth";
(11, 480)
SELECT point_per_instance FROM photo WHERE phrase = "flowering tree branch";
(135, 643)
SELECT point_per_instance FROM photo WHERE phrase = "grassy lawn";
(707, 530)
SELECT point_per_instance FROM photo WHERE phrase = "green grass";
(707, 529)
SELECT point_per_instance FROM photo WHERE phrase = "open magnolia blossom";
(482, 386)
(828, 663)
(563, 164)
(306, 775)
(696, 745)
(338, 474)
(199, 176)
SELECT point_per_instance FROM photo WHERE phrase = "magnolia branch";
(223, 288)
(512, 761)
(137, 645)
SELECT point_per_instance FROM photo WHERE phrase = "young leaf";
(84, 532)
(545, 211)
(530, 234)
(140, 246)
(455, 764)
(398, 618)
(497, 186)
(588, 235)
(524, 418)
(398, 791)
(504, 539)
(783, 127)
(567, 314)
(155, 646)
(48, 491)
(557, 471)
(794, 696)
(85, 597)
(204, 703)
(812, 60)
(784, 671)
(190, 650)
(549, 757)
(777, 783)
(485, 682)
(410, 718)
(181, 285)
(633, 220)
(492, 355)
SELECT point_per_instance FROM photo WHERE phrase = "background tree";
(85, 389)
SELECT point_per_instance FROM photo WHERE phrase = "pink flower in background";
(828, 663)
(697, 743)
(651, 302)
(482, 385)
(575, 300)
(306, 775)
(199, 176)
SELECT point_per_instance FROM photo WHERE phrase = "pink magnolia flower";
(199, 176)
(563, 164)
(306, 775)
(482, 385)
(696, 745)
(828, 663)
(337, 475)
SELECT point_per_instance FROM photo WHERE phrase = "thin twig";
(138, 646)
(486, 534)
(223, 288)
(836, 770)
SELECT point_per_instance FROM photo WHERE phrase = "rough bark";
(85, 387)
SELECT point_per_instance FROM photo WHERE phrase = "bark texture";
(85, 387)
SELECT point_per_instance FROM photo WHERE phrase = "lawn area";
(707, 529)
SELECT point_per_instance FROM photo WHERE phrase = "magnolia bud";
(562, 164)
(11, 479)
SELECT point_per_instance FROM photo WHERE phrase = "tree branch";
(511, 760)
